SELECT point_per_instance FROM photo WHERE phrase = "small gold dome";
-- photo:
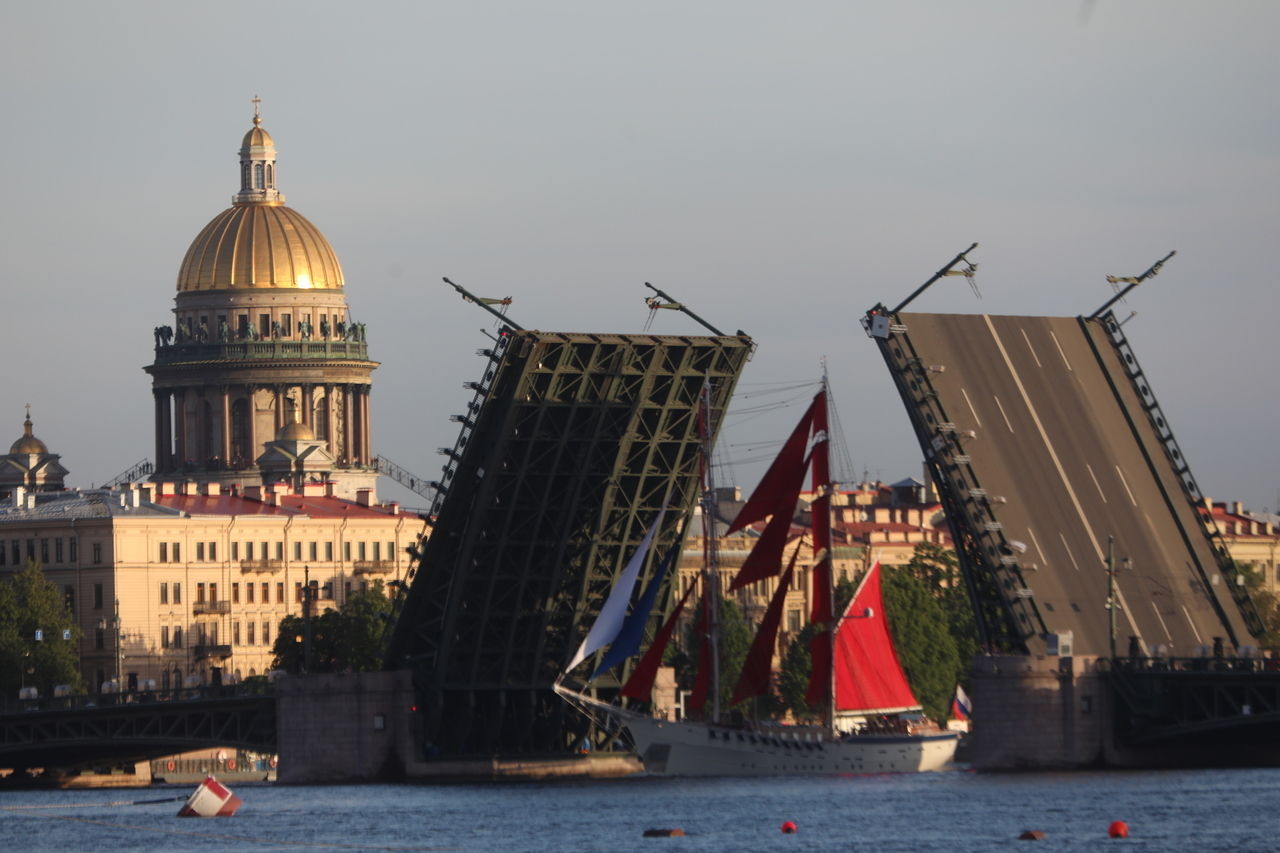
(28, 443)
(259, 245)
(257, 137)
(296, 431)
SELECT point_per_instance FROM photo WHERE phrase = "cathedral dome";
(28, 443)
(295, 431)
(259, 245)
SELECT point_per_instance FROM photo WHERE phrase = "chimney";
(364, 497)
(213, 490)
(253, 493)
(190, 487)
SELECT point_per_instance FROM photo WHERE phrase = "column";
(308, 404)
(180, 429)
(331, 416)
(226, 425)
(251, 440)
(162, 429)
(347, 452)
(280, 407)
(367, 431)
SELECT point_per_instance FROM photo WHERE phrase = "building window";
(286, 325)
(266, 633)
(328, 551)
(347, 589)
(177, 553)
(164, 593)
(391, 550)
(248, 550)
(377, 550)
(3, 552)
(200, 551)
(279, 550)
(97, 553)
(97, 596)
(44, 552)
(235, 550)
(297, 550)
(164, 636)
(280, 593)
(57, 551)
(235, 633)
(251, 626)
(17, 552)
(213, 550)
(297, 591)
(99, 638)
(199, 593)
(213, 592)
(71, 549)
(177, 636)
(266, 594)
(346, 551)
(31, 549)
(360, 547)
(249, 589)
(235, 593)
(164, 552)
(312, 551)
(258, 178)
(177, 593)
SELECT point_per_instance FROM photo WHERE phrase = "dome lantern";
(257, 165)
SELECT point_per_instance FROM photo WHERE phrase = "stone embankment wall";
(360, 727)
(1039, 712)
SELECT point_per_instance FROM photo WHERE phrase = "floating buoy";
(1118, 829)
(231, 764)
(789, 827)
(664, 833)
(172, 765)
(210, 799)
(1032, 835)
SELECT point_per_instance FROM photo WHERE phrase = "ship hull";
(696, 749)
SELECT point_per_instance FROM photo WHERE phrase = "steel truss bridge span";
(570, 447)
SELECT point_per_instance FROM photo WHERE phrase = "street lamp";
(119, 650)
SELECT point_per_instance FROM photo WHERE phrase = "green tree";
(793, 672)
(1266, 603)
(30, 603)
(922, 637)
(939, 570)
(352, 639)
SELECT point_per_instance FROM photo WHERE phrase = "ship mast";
(822, 540)
(710, 561)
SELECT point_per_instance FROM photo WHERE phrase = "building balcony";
(261, 565)
(373, 567)
(190, 352)
(214, 607)
(202, 651)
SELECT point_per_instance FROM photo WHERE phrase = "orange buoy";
(231, 764)
(789, 827)
(1032, 835)
(1118, 829)
(675, 832)
(172, 765)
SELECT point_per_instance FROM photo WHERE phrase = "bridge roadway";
(86, 731)
(1062, 435)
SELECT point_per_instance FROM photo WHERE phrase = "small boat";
(872, 720)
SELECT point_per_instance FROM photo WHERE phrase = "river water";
(1205, 810)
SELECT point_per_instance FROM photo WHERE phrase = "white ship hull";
(697, 749)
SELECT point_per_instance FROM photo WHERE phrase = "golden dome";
(296, 431)
(28, 443)
(257, 137)
(259, 245)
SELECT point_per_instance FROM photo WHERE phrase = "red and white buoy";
(210, 799)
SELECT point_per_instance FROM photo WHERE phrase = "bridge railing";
(1144, 665)
(257, 687)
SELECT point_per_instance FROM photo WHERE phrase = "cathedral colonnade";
(203, 428)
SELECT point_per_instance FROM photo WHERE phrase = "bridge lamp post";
(119, 650)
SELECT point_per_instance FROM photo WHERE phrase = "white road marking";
(1053, 454)
(1002, 414)
(1125, 483)
(1031, 348)
(1096, 484)
(1186, 613)
(1163, 626)
(976, 419)
(1044, 562)
(1070, 556)
(1060, 352)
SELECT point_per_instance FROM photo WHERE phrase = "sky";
(778, 167)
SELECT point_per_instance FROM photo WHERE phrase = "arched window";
(207, 448)
(257, 176)
(320, 421)
(271, 176)
(244, 176)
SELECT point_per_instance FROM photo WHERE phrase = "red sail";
(757, 669)
(640, 684)
(819, 688)
(702, 682)
(765, 559)
(868, 676)
(787, 468)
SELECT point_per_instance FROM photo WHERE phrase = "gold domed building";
(262, 338)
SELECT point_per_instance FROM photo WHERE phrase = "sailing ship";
(871, 720)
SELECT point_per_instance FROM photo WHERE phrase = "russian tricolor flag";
(961, 707)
